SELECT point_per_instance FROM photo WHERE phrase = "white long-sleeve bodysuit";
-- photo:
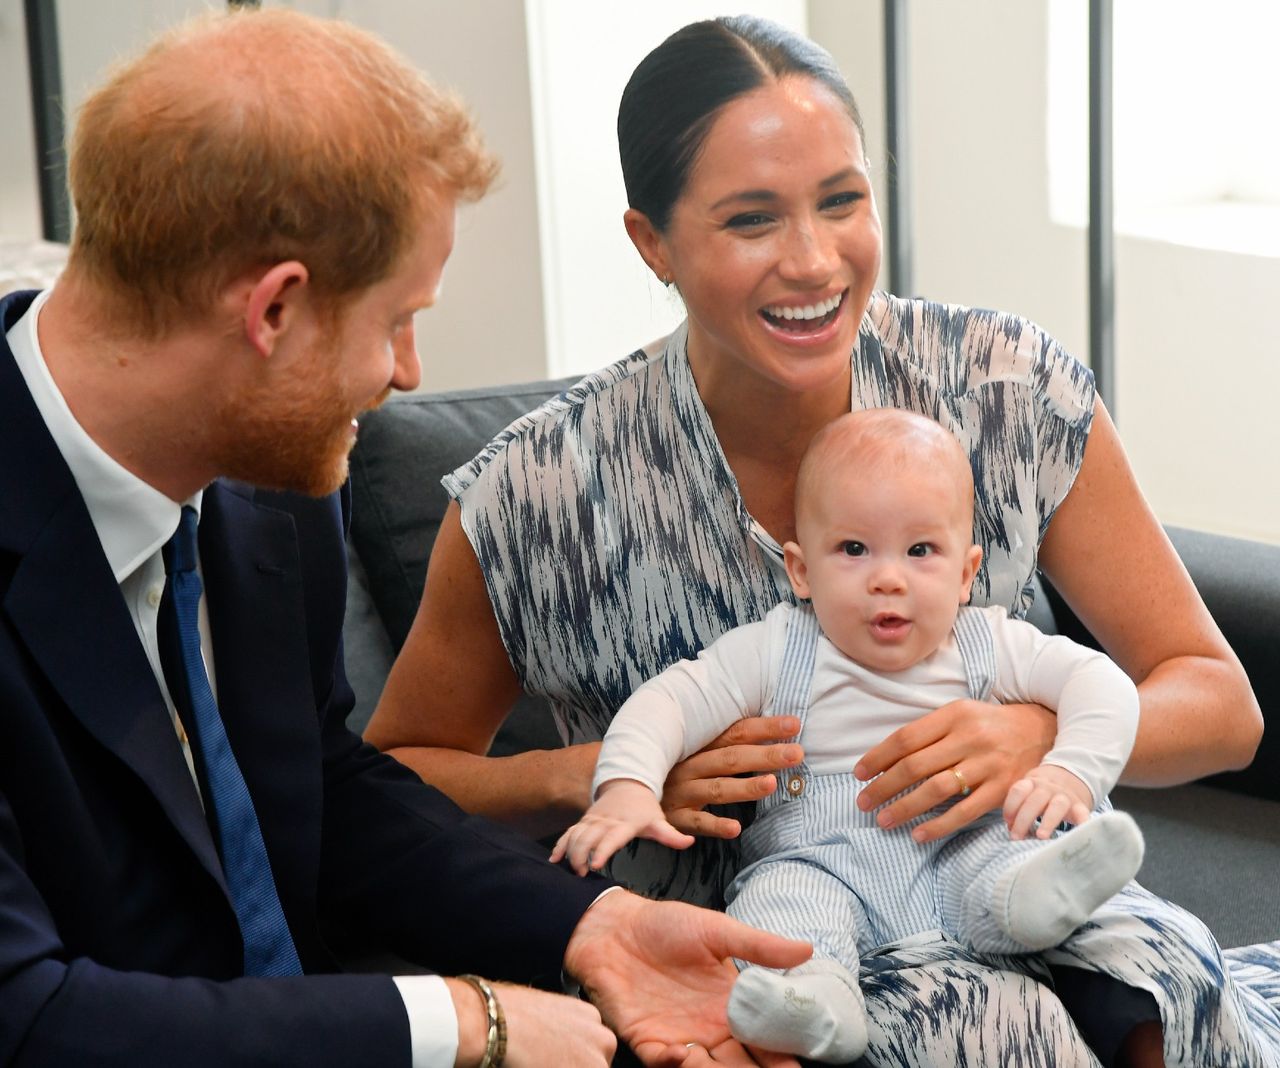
(818, 867)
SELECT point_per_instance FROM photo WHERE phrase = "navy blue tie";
(268, 946)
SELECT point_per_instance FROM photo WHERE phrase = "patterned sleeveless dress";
(614, 542)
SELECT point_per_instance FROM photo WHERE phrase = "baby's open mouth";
(889, 625)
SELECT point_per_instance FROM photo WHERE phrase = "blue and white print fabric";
(615, 542)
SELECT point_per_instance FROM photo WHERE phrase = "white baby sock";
(815, 1010)
(1041, 900)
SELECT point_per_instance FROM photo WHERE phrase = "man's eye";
(853, 548)
(920, 548)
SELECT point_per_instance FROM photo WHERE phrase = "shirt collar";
(132, 519)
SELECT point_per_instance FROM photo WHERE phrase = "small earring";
(666, 280)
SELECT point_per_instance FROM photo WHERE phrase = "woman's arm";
(448, 693)
(452, 686)
(1108, 556)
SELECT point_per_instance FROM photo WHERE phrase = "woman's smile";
(815, 322)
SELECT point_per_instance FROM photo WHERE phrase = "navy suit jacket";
(118, 943)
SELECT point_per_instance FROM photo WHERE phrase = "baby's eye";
(920, 548)
(853, 548)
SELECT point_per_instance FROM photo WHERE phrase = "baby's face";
(887, 557)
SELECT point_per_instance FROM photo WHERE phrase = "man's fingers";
(730, 1054)
(733, 1055)
(768, 1059)
(667, 1055)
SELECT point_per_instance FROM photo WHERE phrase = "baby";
(884, 556)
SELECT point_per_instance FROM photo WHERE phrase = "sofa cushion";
(402, 451)
(1214, 852)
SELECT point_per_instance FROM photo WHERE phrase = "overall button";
(795, 785)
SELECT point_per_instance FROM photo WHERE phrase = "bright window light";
(1196, 153)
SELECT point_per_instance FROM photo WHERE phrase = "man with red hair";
(187, 829)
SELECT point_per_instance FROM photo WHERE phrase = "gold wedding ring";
(964, 786)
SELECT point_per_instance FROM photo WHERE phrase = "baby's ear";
(972, 561)
(793, 557)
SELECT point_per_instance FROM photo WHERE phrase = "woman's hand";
(736, 766)
(968, 748)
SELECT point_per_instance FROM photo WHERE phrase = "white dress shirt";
(133, 521)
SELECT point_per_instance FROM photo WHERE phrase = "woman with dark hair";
(634, 519)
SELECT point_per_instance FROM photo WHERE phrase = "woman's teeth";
(808, 311)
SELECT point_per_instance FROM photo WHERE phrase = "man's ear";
(648, 243)
(972, 560)
(793, 557)
(274, 302)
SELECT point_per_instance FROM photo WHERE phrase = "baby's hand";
(623, 810)
(1049, 794)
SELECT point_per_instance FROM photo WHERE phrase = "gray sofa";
(1213, 847)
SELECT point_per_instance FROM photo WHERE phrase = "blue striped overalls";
(819, 868)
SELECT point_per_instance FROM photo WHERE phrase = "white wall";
(545, 257)
(19, 203)
(602, 302)
(489, 325)
(1196, 346)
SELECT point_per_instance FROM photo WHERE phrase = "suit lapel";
(77, 628)
(64, 603)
